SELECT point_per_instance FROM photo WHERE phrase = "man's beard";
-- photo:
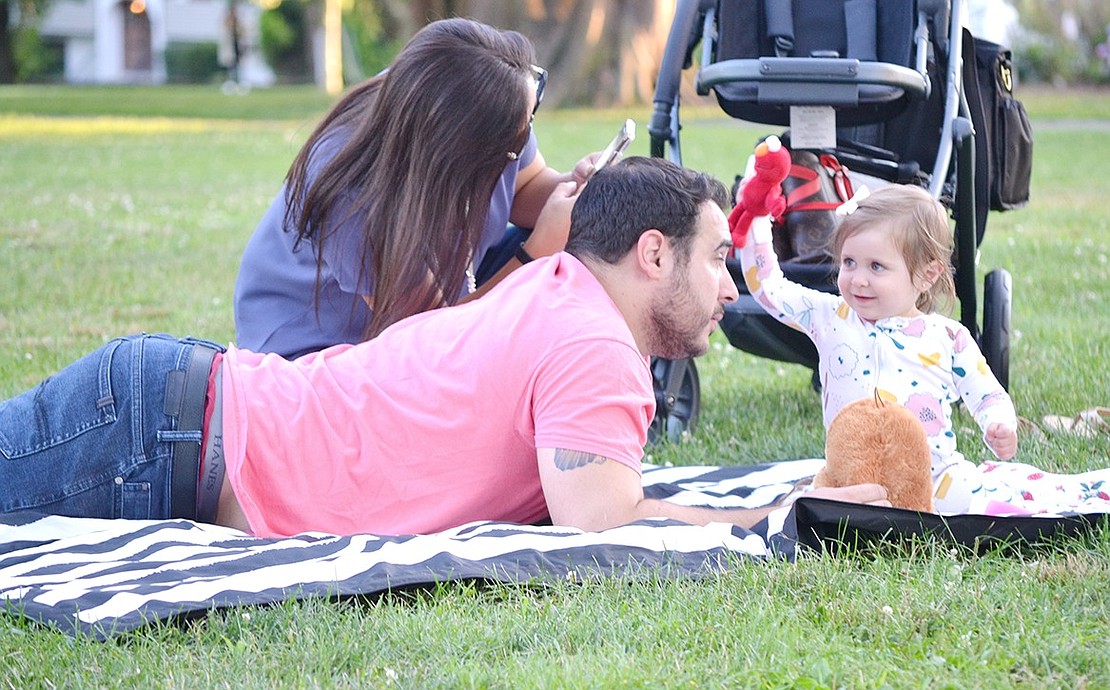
(678, 324)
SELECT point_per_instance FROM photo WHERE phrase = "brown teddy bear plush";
(880, 442)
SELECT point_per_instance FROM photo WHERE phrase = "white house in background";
(124, 41)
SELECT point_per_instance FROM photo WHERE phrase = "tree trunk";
(7, 58)
(598, 52)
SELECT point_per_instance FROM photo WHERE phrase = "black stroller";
(913, 99)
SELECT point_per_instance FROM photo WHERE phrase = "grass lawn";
(126, 210)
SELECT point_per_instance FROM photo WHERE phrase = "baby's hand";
(1002, 439)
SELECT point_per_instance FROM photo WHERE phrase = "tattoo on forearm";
(573, 459)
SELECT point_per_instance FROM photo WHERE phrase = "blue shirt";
(276, 307)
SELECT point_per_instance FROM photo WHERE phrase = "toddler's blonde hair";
(918, 223)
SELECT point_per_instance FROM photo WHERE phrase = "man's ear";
(653, 252)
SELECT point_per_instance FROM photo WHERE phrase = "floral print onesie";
(925, 363)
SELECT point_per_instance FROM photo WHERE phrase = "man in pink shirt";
(531, 403)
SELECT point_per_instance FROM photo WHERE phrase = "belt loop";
(186, 454)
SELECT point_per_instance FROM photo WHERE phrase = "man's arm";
(592, 493)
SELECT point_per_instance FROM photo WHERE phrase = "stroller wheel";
(677, 399)
(997, 301)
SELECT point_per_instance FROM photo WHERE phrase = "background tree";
(602, 52)
(1063, 41)
(7, 61)
(20, 52)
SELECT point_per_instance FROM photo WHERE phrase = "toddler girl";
(881, 336)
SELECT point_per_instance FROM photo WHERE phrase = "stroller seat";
(857, 56)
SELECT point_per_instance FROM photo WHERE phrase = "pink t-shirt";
(435, 423)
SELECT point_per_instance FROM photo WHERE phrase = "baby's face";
(874, 279)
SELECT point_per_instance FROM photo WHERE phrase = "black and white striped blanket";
(105, 577)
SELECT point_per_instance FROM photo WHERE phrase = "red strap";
(804, 191)
(812, 185)
(841, 182)
(814, 206)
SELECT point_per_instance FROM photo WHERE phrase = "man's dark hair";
(623, 200)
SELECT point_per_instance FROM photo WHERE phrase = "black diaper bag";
(1004, 137)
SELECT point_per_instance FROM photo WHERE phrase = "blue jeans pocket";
(54, 438)
(61, 408)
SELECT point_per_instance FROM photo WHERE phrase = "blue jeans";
(98, 438)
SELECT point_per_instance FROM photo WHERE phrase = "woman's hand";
(584, 168)
(553, 224)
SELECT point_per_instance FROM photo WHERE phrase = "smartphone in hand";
(616, 147)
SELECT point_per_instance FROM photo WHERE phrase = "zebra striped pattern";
(105, 577)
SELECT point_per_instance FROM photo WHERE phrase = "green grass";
(127, 209)
(157, 101)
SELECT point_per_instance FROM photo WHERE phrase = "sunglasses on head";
(540, 75)
(541, 83)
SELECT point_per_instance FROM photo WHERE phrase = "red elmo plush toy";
(761, 194)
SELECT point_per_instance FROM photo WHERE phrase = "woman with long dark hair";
(400, 199)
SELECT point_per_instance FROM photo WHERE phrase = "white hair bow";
(849, 206)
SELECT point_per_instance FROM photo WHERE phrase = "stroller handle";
(796, 76)
(680, 42)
